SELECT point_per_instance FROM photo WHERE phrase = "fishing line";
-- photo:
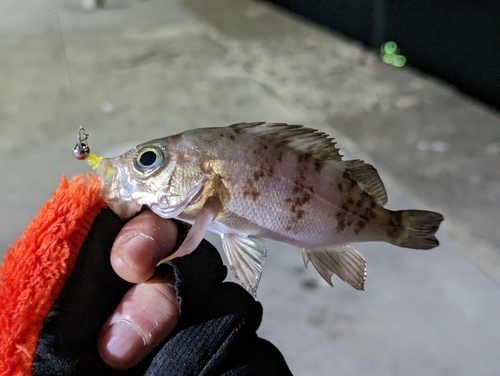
(64, 53)
(81, 150)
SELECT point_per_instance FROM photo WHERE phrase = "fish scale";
(254, 181)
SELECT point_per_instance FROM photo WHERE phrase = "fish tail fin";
(418, 229)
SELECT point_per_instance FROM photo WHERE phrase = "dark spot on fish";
(301, 172)
(318, 165)
(356, 231)
(339, 186)
(345, 207)
(270, 171)
(280, 155)
(249, 190)
(359, 203)
(307, 156)
(263, 171)
(232, 137)
(236, 130)
(340, 226)
(361, 224)
(288, 227)
(373, 204)
(338, 215)
(364, 217)
(265, 147)
(349, 223)
(394, 225)
(296, 205)
(305, 198)
(258, 174)
(349, 200)
(255, 151)
(346, 175)
(370, 213)
(221, 134)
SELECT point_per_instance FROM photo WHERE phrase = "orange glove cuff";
(36, 268)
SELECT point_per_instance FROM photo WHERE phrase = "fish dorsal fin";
(342, 260)
(304, 140)
(366, 176)
(246, 256)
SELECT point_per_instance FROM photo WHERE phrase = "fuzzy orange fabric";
(35, 269)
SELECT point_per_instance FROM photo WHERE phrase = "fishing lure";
(81, 151)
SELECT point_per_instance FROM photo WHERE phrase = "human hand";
(60, 292)
(149, 311)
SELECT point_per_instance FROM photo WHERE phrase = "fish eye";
(148, 160)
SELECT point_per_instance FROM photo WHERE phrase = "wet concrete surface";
(146, 69)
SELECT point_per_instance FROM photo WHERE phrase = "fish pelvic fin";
(246, 256)
(417, 229)
(343, 260)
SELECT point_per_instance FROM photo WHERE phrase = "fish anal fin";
(343, 260)
(207, 214)
(301, 139)
(367, 178)
(305, 257)
(246, 256)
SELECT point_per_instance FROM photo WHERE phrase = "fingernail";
(121, 345)
(139, 251)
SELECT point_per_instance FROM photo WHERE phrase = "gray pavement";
(146, 69)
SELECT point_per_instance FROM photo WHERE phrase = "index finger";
(140, 244)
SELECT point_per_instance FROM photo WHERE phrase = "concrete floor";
(146, 69)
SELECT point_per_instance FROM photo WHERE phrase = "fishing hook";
(81, 149)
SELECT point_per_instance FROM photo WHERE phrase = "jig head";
(81, 149)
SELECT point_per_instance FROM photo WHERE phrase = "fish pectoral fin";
(246, 256)
(207, 214)
(343, 260)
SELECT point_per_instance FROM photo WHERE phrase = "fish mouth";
(117, 188)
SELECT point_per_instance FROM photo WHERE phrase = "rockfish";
(251, 181)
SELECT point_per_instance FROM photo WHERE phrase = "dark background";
(455, 40)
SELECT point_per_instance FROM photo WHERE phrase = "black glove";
(215, 335)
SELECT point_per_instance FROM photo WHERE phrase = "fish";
(249, 182)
